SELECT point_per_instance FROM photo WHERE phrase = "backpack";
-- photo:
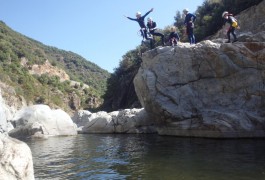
(234, 22)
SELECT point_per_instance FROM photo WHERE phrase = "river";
(123, 156)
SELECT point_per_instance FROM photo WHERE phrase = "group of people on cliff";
(173, 36)
(188, 22)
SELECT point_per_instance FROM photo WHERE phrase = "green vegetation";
(46, 88)
(120, 89)
(121, 93)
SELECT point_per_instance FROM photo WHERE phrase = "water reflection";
(147, 157)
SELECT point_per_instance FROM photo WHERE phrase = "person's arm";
(177, 35)
(193, 17)
(186, 19)
(154, 26)
(130, 18)
(148, 26)
(147, 13)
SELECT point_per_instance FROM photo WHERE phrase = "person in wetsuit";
(228, 18)
(173, 36)
(140, 19)
(189, 23)
(152, 27)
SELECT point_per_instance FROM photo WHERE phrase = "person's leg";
(193, 38)
(192, 41)
(228, 35)
(190, 34)
(233, 33)
(160, 35)
(145, 34)
(142, 33)
(150, 39)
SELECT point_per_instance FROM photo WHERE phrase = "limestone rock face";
(10, 103)
(15, 160)
(46, 68)
(207, 90)
(125, 121)
(3, 121)
(41, 121)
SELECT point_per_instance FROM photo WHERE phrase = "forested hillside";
(46, 88)
(121, 94)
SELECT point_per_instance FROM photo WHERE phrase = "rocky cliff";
(210, 89)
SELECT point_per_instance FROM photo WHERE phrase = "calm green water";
(147, 157)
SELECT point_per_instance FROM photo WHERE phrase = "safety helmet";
(224, 13)
(138, 13)
(186, 10)
(149, 19)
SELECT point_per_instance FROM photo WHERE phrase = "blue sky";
(96, 30)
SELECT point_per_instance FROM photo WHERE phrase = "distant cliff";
(211, 89)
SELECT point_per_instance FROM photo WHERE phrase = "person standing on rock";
(189, 23)
(152, 27)
(140, 20)
(228, 18)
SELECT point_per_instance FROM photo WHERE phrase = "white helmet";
(138, 13)
(149, 19)
(224, 13)
(186, 10)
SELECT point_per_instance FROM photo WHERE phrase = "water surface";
(120, 156)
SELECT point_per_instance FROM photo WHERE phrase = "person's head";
(185, 11)
(172, 29)
(225, 15)
(138, 14)
(149, 19)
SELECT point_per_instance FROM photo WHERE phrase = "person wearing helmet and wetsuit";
(189, 22)
(173, 36)
(140, 20)
(228, 18)
(152, 27)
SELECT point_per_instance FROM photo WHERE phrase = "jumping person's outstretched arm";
(133, 19)
(147, 13)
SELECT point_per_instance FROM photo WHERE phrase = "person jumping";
(140, 19)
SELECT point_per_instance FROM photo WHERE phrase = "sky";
(95, 29)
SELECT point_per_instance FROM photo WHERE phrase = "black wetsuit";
(189, 22)
(231, 28)
(142, 24)
(173, 38)
(151, 26)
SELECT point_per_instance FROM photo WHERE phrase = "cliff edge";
(210, 89)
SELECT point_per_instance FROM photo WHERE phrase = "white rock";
(40, 119)
(15, 160)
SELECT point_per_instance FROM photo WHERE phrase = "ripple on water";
(147, 157)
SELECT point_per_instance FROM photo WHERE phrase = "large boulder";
(125, 121)
(15, 160)
(206, 90)
(41, 121)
